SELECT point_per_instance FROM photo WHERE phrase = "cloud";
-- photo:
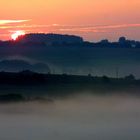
(60, 28)
(95, 29)
(64, 27)
(117, 26)
(2, 22)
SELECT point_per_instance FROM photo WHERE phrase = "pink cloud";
(2, 22)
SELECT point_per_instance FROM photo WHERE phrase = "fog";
(86, 116)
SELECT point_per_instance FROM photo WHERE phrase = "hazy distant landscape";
(64, 54)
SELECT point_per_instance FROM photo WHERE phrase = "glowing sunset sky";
(91, 19)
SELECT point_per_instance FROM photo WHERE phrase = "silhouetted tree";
(105, 79)
(130, 77)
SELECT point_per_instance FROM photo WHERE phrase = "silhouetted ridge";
(50, 38)
(42, 39)
(11, 98)
(34, 86)
(20, 65)
(27, 76)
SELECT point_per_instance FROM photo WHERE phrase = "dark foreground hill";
(32, 78)
(35, 86)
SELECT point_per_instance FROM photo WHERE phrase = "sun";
(16, 34)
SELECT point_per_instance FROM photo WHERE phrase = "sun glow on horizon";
(56, 16)
(16, 34)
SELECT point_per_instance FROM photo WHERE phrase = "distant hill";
(19, 65)
(50, 38)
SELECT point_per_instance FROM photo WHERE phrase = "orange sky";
(92, 19)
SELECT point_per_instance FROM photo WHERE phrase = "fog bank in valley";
(79, 117)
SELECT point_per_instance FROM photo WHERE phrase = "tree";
(130, 77)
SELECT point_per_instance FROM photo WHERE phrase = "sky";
(92, 19)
